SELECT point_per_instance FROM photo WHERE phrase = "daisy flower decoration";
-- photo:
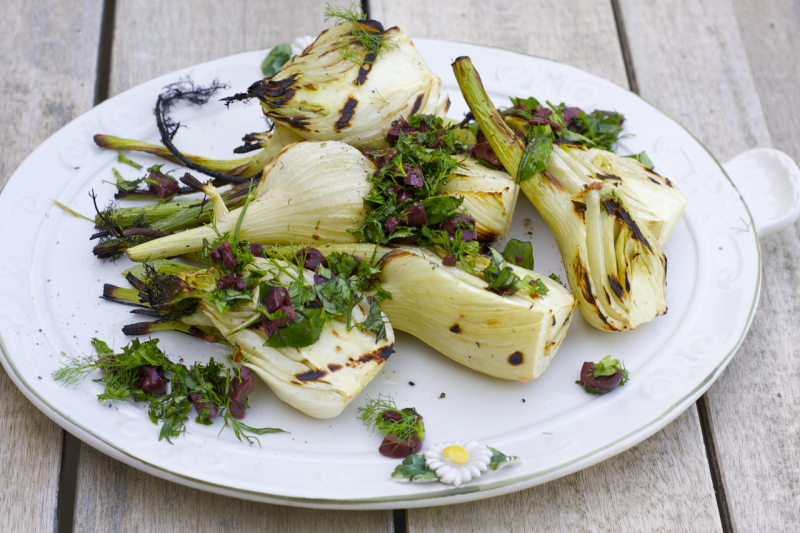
(458, 462)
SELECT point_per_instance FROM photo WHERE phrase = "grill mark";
(615, 286)
(311, 375)
(380, 355)
(334, 367)
(557, 184)
(580, 209)
(366, 68)
(613, 207)
(417, 104)
(346, 113)
(607, 176)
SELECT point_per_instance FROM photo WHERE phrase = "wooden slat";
(582, 33)
(151, 39)
(666, 480)
(735, 90)
(45, 84)
(651, 487)
(690, 62)
(116, 497)
(754, 406)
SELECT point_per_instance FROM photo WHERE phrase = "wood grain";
(121, 498)
(725, 76)
(646, 488)
(151, 39)
(755, 404)
(690, 62)
(582, 33)
(44, 85)
(155, 38)
(666, 480)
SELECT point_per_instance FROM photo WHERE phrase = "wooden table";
(726, 69)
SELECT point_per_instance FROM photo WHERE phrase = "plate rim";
(447, 496)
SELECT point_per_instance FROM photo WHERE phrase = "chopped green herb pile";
(404, 206)
(141, 371)
(542, 126)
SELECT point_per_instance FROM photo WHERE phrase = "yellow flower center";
(457, 454)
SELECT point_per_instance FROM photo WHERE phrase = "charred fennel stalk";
(614, 263)
(246, 167)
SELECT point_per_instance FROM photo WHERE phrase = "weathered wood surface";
(648, 488)
(724, 75)
(45, 84)
(727, 74)
(151, 39)
(115, 497)
(582, 33)
(155, 38)
(666, 478)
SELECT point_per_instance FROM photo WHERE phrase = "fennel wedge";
(294, 202)
(314, 340)
(338, 89)
(614, 262)
(510, 337)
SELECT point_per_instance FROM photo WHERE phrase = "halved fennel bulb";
(318, 380)
(510, 337)
(615, 266)
(322, 95)
(312, 192)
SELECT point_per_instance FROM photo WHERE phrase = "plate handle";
(769, 182)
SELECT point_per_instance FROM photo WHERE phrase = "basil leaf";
(374, 322)
(519, 253)
(440, 208)
(344, 265)
(530, 103)
(642, 158)
(534, 158)
(303, 331)
(275, 59)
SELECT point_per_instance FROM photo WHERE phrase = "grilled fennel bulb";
(309, 192)
(614, 262)
(509, 337)
(319, 379)
(323, 94)
(313, 192)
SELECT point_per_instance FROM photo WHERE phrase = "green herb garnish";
(404, 423)
(121, 376)
(275, 59)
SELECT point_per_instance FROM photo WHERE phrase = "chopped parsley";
(404, 206)
(142, 371)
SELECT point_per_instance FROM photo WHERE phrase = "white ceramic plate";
(50, 283)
